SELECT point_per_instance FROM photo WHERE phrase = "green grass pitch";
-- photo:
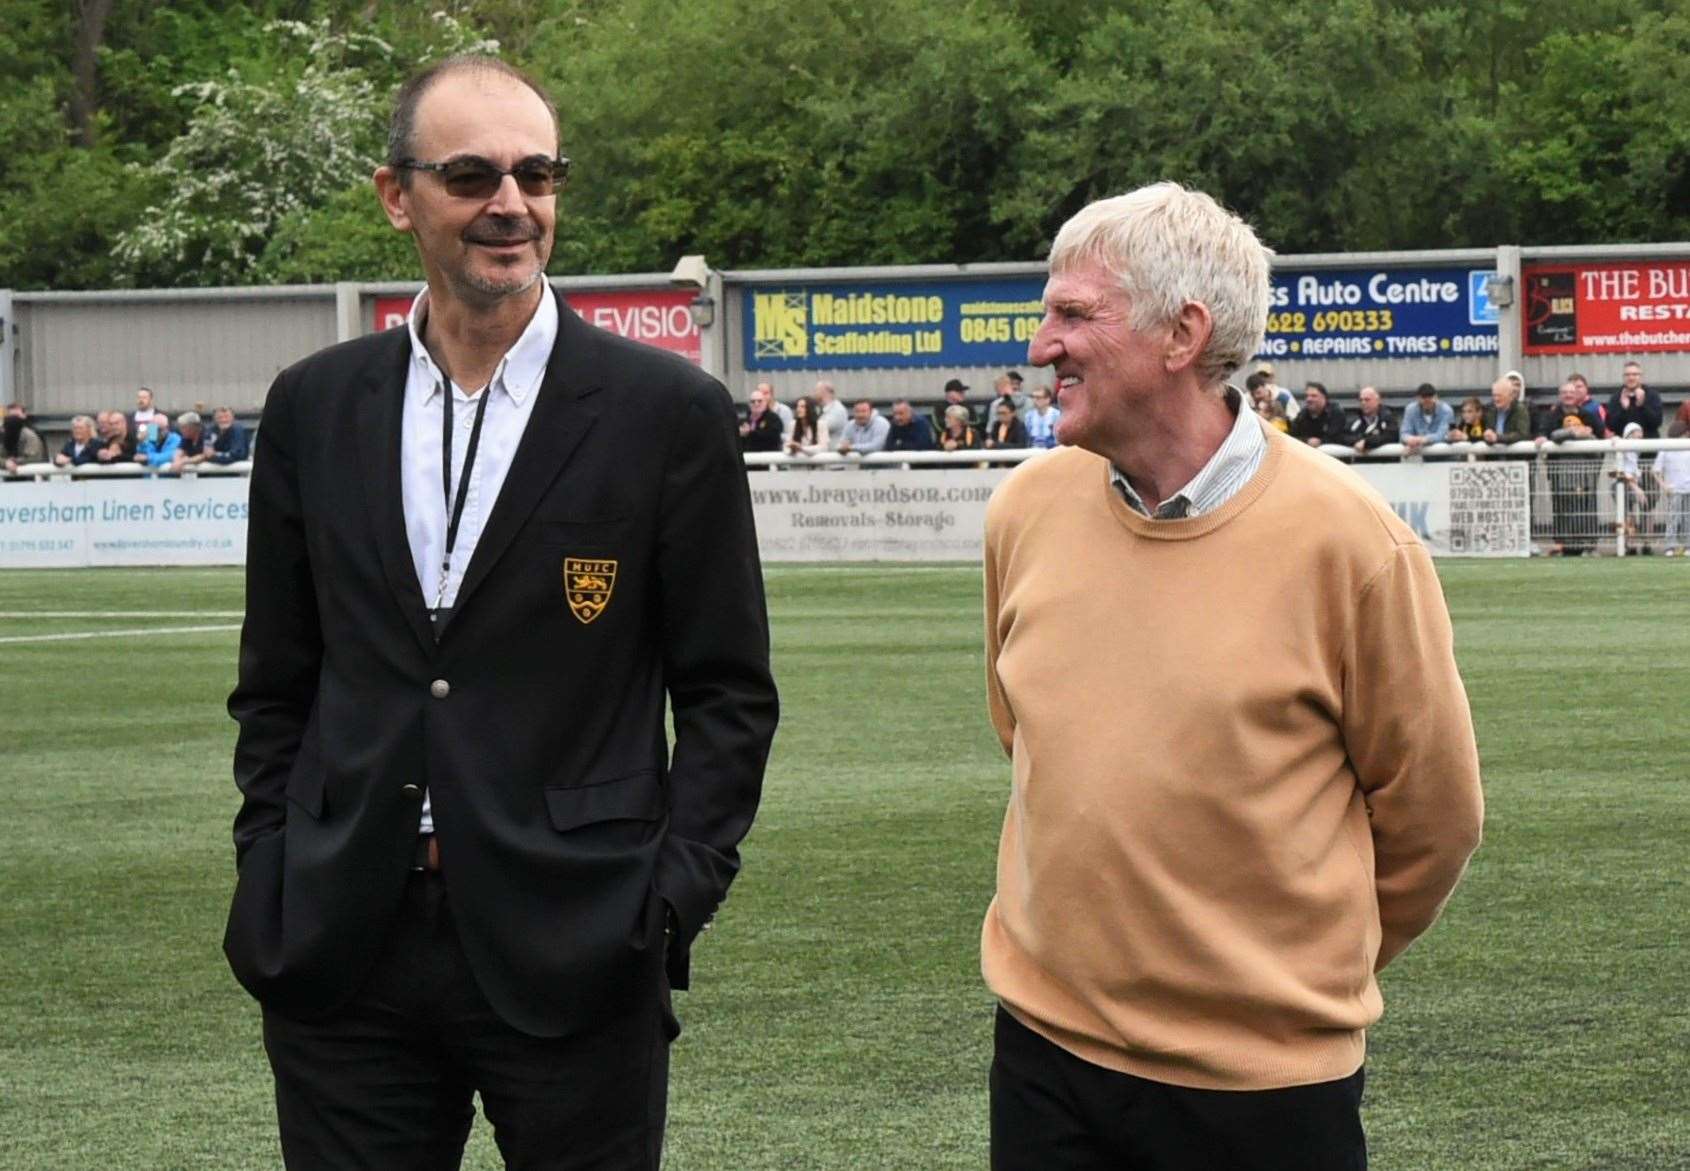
(838, 1019)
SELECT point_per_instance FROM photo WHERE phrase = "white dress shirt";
(1217, 481)
(514, 387)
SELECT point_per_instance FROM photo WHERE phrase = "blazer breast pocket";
(592, 533)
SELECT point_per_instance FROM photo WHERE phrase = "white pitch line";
(123, 614)
(83, 635)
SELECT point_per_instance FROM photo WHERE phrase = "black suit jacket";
(536, 722)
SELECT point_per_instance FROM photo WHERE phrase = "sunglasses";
(473, 177)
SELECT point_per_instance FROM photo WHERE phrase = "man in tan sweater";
(1244, 770)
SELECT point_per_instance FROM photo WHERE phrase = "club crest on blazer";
(587, 583)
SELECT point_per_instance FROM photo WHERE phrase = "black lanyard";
(455, 511)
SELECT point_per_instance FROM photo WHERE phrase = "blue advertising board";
(858, 325)
(1314, 314)
(1379, 313)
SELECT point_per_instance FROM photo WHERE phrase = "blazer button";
(412, 791)
(440, 689)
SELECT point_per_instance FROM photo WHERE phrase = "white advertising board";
(123, 522)
(1460, 509)
(855, 514)
(873, 514)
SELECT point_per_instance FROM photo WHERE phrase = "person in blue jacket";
(157, 446)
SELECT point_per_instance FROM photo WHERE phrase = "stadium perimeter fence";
(1596, 497)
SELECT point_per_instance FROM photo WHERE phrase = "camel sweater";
(1244, 772)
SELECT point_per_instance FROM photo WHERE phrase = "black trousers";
(387, 1081)
(1052, 1111)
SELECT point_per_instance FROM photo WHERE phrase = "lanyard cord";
(455, 511)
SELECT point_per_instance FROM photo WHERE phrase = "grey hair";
(1169, 246)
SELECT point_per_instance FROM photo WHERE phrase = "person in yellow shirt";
(1244, 772)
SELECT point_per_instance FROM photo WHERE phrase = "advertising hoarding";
(1619, 308)
(657, 317)
(1380, 313)
(964, 322)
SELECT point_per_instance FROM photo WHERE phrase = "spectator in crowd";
(1285, 398)
(156, 444)
(783, 411)
(19, 442)
(1372, 425)
(1639, 502)
(832, 411)
(1041, 418)
(866, 433)
(956, 392)
(83, 446)
(1008, 386)
(1261, 388)
(194, 449)
(1682, 418)
(809, 431)
(959, 433)
(1635, 403)
(144, 409)
(1572, 480)
(229, 442)
(117, 441)
(1007, 430)
(1574, 416)
(1319, 421)
(1586, 398)
(1506, 420)
(909, 431)
(1426, 419)
(761, 430)
(1470, 422)
(1272, 413)
(1672, 473)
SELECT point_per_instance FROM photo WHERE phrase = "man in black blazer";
(483, 553)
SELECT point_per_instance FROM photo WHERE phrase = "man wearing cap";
(1243, 770)
(956, 392)
(1426, 419)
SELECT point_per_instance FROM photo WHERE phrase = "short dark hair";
(1320, 386)
(402, 127)
(1426, 388)
(1257, 379)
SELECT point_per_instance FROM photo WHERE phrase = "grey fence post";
(8, 348)
(348, 310)
(1509, 345)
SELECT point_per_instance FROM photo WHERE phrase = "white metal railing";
(125, 471)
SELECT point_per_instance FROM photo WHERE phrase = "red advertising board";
(657, 317)
(1619, 308)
